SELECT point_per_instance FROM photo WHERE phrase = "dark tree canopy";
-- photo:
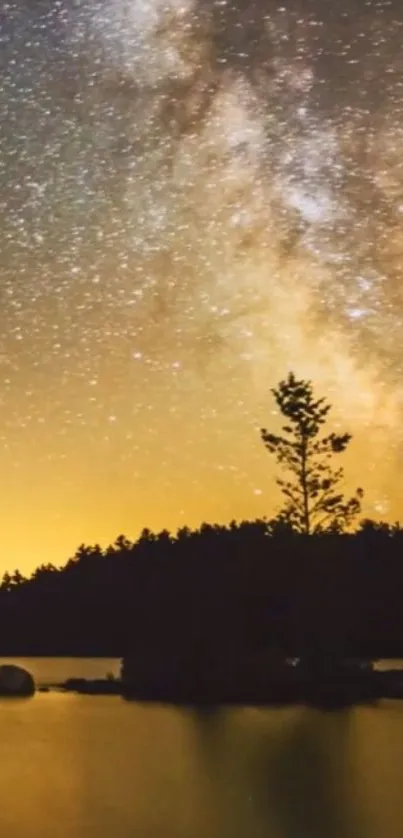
(314, 502)
(215, 593)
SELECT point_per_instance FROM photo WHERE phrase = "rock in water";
(15, 681)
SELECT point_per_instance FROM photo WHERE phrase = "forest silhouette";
(244, 591)
(250, 586)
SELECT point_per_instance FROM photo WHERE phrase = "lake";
(98, 767)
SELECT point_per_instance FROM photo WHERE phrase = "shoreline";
(387, 684)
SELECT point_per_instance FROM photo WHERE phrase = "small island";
(321, 683)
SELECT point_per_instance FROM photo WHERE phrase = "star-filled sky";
(196, 196)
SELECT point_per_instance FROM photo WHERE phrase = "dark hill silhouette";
(249, 588)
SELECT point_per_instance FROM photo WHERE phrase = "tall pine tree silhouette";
(314, 502)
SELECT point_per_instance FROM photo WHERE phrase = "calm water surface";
(100, 767)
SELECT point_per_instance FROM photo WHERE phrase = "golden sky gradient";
(195, 199)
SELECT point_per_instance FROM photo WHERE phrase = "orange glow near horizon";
(184, 221)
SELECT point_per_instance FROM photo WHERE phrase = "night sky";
(196, 196)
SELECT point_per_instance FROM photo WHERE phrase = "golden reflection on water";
(377, 742)
(99, 767)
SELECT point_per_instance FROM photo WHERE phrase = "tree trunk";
(304, 482)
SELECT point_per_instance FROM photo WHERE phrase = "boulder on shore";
(15, 681)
